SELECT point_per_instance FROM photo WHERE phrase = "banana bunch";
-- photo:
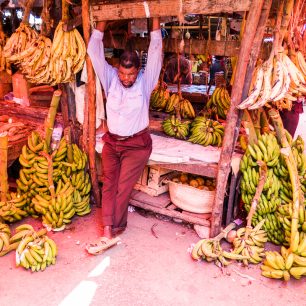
(174, 127)
(211, 250)
(4, 63)
(5, 234)
(206, 132)
(159, 98)
(277, 266)
(19, 41)
(56, 211)
(172, 103)
(186, 109)
(67, 55)
(10, 213)
(35, 250)
(278, 81)
(284, 216)
(34, 60)
(267, 150)
(252, 246)
(81, 204)
(289, 262)
(219, 102)
(71, 182)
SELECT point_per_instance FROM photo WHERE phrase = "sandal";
(101, 245)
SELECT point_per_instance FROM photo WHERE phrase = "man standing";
(127, 144)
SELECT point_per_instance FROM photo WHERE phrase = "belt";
(120, 138)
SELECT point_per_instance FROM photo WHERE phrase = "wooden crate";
(153, 180)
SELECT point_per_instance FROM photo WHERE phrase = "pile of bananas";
(267, 150)
(5, 235)
(211, 250)
(288, 83)
(159, 98)
(41, 171)
(206, 132)
(19, 41)
(13, 209)
(67, 55)
(219, 103)
(289, 262)
(35, 250)
(174, 127)
(252, 247)
(43, 61)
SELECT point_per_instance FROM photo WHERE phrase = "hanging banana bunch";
(278, 81)
(219, 103)
(22, 38)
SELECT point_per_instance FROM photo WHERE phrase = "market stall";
(194, 130)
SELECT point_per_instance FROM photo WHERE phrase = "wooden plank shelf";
(162, 205)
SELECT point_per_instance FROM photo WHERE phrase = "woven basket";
(191, 199)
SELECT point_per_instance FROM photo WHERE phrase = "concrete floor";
(142, 270)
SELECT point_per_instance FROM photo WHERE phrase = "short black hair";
(129, 59)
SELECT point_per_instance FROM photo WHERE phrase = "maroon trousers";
(123, 162)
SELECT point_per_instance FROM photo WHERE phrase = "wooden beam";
(90, 87)
(232, 116)
(165, 8)
(214, 47)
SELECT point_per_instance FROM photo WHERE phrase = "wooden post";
(64, 104)
(232, 117)
(3, 166)
(91, 97)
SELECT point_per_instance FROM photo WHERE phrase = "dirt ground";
(142, 270)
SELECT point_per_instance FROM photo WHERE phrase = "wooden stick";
(232, 117)
(285, 20)
(262, 179)
(292, 168)
(64, 103)
(65, 11)
(91, 95)
(49, 121)
(27, 11)
(3, 166)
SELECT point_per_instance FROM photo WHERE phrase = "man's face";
(127, 76)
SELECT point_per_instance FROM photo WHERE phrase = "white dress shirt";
(127, 109)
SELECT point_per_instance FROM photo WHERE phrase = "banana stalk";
(50, 173)
(67, 133)
(27, 11)
(262, 179)
(49, 122)
(292, 168)
(3, 166)
(252, 137)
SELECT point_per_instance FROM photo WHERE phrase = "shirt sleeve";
(95, 51)
(154, 61)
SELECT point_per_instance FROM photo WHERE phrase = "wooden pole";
(91, 96)
(3, 166)
(232, 117)
(247, 82)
